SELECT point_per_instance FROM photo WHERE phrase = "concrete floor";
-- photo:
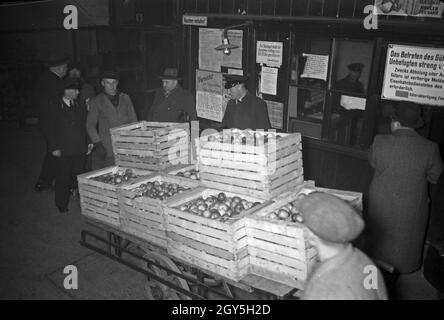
(37, 241)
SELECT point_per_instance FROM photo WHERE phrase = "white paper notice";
(234, 59)
(210, 102)
(269, 80)
(275, 113)
(236, 71)
(269, 53)
(414, 74)
(209, 59)
(351, 103)
(316, 66)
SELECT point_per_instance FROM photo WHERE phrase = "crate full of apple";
(98, 192)
(186, 172)
(206, 228)
(255, 163)
(151, 145)
(141, 205)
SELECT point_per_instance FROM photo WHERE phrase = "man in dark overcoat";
(404, 162)
(244, 110)
(47, 94)
(172, 103)
(69, 142)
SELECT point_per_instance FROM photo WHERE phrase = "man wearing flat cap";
(172, 103)
(47, 93)
(343, 272)
(244, 110)
(110, 108)
(403, 162)
(69, 142)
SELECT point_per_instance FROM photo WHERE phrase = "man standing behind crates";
(108, 109)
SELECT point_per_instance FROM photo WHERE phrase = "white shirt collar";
(67, 101)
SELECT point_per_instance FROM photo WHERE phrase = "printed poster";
(415, 74)
(416, 8)
(211, 59)
(269, 77)
(269, 53)
(316, 66)
(275, 113)
(211, 100)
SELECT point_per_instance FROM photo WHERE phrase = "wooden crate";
(278, 249)
(151, 145)
(143, 216)
(182, 168)
(213, 245)
(98, 200)
(262, 171)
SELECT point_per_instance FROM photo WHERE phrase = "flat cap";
(110, 74)
(234, 79)
(330, 218)
(55, 60)
(356, 67)
(170, 74)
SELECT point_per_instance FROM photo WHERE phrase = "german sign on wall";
(211, 99)
(414, 74)
(417, 8)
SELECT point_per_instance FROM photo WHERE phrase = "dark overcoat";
(397, 215)
(249, 113)
(173, 107)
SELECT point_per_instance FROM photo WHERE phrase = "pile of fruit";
(218, 207)
(192, 174)
(158, 190)
(117, 178)
(289, 212)
(245, 137)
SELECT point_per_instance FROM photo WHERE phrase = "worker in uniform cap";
(172, 103)
(68, 143)
(404, 163)
(110, 108)
(244, 110)
(47, 93)
(343, 272)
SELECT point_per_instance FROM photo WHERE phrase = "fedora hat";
(170, 74)
(408, 114)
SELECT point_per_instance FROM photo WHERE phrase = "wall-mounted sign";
(275, 113)
(416, 8)
(194, 20)
(211, 100)
(269, 77)
(415, 74)
(269, 53)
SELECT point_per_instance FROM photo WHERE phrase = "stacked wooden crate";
(143, 216)
(98, 199)
(217, 246)
(278, 249)
(151, 145)
(185, 172)
(263, 167)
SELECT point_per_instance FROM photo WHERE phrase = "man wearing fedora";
(110, 108)
(69, 142)
(403, 162)
(47, 93)
(172, 103)
(343, 271)
(244, 110)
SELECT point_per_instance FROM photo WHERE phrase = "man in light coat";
(108, 109)
(344, 272)
(404, 162)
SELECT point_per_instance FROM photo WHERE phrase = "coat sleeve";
(263, 118)
(371, 154)
(51, 129)
(91, 122)
(435, 166)
(131, 113)
(226, 119)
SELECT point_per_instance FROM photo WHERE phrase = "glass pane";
(306, 104)
(351, 66)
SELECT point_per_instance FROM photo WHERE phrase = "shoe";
(62, 209)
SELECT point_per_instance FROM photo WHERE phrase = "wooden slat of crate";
(207, 243)
(146, 212)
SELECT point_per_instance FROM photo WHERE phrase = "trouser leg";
(62, 183)
(77, 167)
(47, 172)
